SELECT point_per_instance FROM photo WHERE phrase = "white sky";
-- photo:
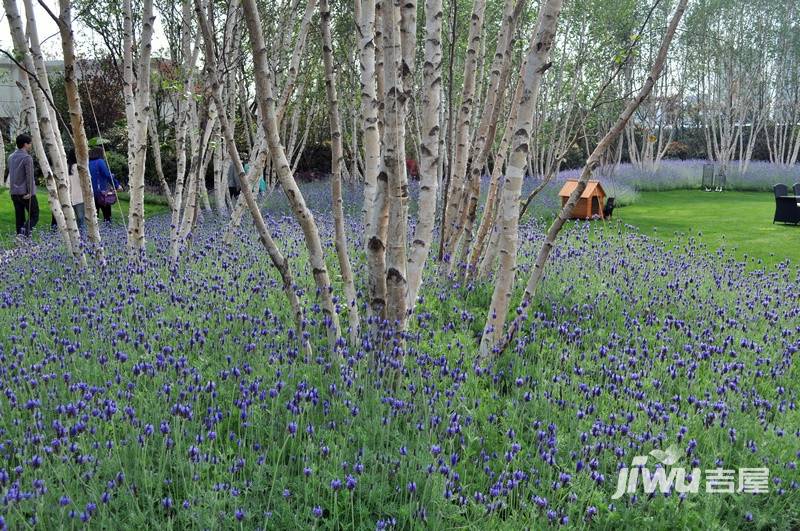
(51, 41)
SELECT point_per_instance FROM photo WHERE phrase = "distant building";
(10, 96)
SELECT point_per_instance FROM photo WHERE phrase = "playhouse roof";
(592, 188)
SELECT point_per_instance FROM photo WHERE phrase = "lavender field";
(177, 396)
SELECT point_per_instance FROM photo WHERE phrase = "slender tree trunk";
(155, 144)
(458, 171)
(500, 72)
(395, 168)
(337, 154)
(369, 109)
(258, 160)
(185, 103)
(537, 62)
(266, 102)
(294, 63)
(492, 198)
(277, 258)
(220, 177)
(375, 205)
(48, 144)
(38, 145)
(78, 131)
(449, 140)
(138, 117)
(591, 163)
(197, 172)
(429, 163)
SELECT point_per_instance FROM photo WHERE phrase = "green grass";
(739, 222)
(153, 205)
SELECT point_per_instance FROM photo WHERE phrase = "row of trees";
(472, 84)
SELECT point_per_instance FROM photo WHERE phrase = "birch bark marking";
(429, 163)
(266, 101)
(197, 168)
(537, 62)
(408, 47)
(493, 197)
(337, 155)
(395, 167)
(182, 124)
(43, 84)
(41, 155)
(294, 63)
(591, 163)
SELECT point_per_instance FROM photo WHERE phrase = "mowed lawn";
(8, 227)
(739, 222)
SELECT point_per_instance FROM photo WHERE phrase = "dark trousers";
(23, 206)
(234, 191)
(106, 210)
(80, 214)
(79, 217)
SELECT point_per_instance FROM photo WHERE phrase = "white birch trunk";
(591, 163)
(277, 258)
(429, 163)
(78, 130)
(457, 187)
(395, 168)
(337, 162)
(138, 117)
(500, 72)
(536, 64)
(374, 186)
(41, 123)
(266, 101)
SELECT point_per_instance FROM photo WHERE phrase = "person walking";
(233, 182)
(103, 182)
(22, 186)
(75, 194)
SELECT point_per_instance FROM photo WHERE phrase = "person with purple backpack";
(104, 184)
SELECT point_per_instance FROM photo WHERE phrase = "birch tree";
(484, 137)
(394, 166)
(266, 101)
(591, 163)
(429, 163)
(375, 208)
(137, 107)
(277, 258)
(80, 141)
(461, 139)
(536, 64)
(44, 129)
(337, 162)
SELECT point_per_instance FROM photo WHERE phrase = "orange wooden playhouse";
(590, 203)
